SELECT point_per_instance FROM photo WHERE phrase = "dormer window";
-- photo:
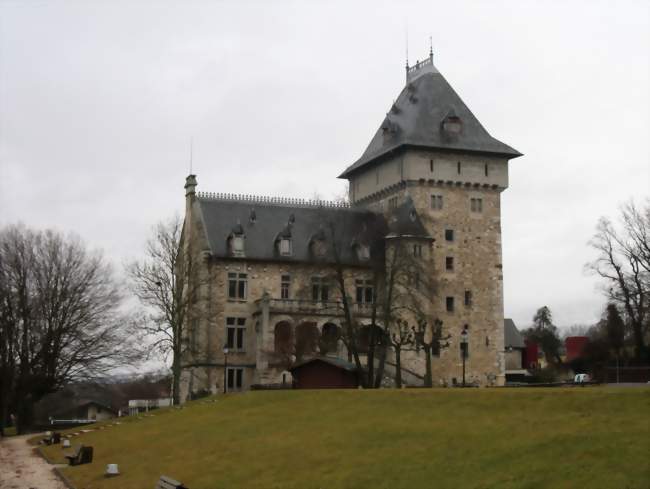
(452, 124)
(237, 245)
(318, 244)
(285, 246)
(363, 252)
(318, 248)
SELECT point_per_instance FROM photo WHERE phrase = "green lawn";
(424, 438)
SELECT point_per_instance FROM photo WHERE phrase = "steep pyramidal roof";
(428, 113)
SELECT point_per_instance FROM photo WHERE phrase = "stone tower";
(432, 149)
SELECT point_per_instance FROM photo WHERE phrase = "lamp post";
(463, 348)
(225, 369)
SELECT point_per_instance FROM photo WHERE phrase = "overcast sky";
(99, 101)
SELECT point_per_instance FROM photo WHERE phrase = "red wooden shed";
(325, 373)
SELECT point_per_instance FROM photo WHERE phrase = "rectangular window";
(285, 286)
(431, 166)
(238, 245)
(458, 167)
(235, 328)
(436, 202)
(285, 247)
(235, 378)
(319, 289)
(392, 203)
(468, 298)
(476, 205)
(449, 263)
(237, 286)
(449, 234)
(417, 250)
(365, 291)
(486, 169)
(450, 304)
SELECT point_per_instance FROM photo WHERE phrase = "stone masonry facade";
(431, 156)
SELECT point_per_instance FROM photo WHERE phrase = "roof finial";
(406, 34)
(431, 47)
(191, 151)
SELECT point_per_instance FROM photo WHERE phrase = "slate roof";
(303, 224)
(263, 224)
(512, 336)
(416, 119)
(405, 221)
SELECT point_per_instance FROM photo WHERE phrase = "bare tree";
(407, 289)
(401, 288)
(401, 337)
(169, 282)
(430, 337)
(59, 318)
(575, 330)
(624, 263)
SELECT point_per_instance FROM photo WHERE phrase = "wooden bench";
(168, 483)
(81, 455)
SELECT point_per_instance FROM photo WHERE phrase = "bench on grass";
(168, 483)
(81, 455)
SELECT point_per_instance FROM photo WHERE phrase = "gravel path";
(22, 468)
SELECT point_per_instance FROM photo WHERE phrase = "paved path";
(22, 468)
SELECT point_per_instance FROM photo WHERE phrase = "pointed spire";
(406, 34)
(191, 151)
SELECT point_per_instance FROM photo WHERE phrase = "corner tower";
(432, 149)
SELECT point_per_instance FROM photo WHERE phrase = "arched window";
(307, 337)
(283, 340)
(329, 338)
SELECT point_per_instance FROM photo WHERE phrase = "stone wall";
(477, 268)
(204, 363)
(437, 166)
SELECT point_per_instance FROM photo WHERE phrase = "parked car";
(581, 378)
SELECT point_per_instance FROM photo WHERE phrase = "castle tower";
(432, 149)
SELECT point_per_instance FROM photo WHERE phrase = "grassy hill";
(428, 438)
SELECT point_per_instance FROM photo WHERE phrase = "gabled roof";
(512, 336)
(417, 117)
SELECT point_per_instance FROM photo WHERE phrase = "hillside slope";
(473, 438)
